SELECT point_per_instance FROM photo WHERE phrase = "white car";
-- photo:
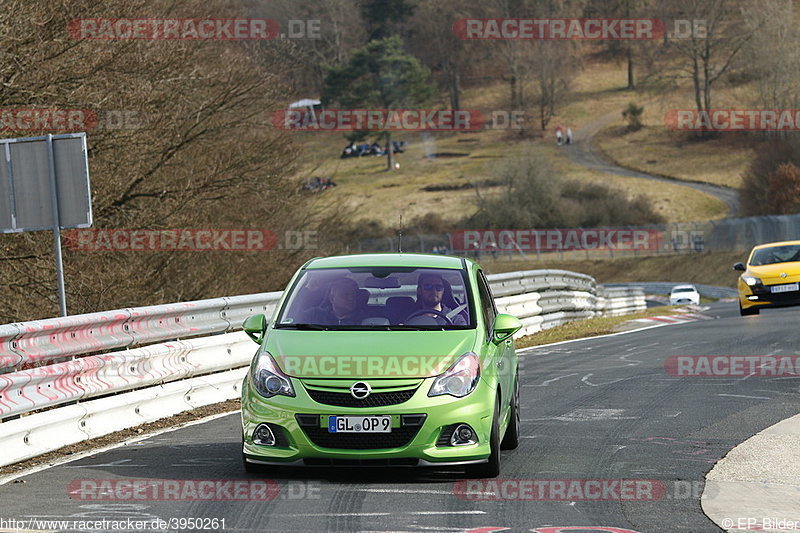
(684, 294)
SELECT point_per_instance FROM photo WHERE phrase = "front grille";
(778, 297)
(345, 399)
(361, 441)
(314, 461)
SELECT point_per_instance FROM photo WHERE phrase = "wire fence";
(725, 235)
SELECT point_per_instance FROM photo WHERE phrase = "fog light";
(752, 297)
(463, 436)
(263, 436)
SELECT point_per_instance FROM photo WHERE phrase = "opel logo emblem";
(360, 390)
(783, 274)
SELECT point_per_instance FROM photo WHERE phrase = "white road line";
(406, 491)
(533, 348)
(546, 382)
(414, 513)
(743, 396)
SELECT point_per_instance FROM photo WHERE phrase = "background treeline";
(207, 155)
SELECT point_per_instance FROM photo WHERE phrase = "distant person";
(559, 135)
(569, 135)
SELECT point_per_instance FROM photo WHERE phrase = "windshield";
(776, 254)
(683, 289)
(378, 298)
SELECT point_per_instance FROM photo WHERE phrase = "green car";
(383, 360)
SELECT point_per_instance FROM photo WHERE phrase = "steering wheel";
(421, 312)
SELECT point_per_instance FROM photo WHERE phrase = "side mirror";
(739, 266)
(504, 327)
(255, 326)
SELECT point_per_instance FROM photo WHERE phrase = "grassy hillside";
(659, 150)
(448, 162)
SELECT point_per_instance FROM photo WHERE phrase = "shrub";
(633, 115)
(770, 184)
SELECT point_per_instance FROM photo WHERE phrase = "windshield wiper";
(303, 326)
(406, 327)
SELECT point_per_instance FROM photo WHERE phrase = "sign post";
(44, 185)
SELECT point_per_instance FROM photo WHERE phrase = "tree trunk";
(631, 80)
(390, 153)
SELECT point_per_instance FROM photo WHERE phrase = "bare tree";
(774, 58)
(202, 154)
(712, 51)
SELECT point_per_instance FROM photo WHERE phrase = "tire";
(511, 438)
(749, 311)
(491, 468)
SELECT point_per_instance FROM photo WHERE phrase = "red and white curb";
(692, 313)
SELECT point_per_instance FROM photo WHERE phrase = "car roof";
(771, 244)
(387, 260)
(684, 287)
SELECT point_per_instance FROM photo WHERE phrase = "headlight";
(268, 379)
(750, 280)
(460, 379)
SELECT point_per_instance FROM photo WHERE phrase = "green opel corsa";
(383, 360)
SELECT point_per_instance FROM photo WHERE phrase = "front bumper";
(420, 449)
(762, 296)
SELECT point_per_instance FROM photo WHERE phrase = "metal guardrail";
(31, 344)
(659, 287)
(186, 347)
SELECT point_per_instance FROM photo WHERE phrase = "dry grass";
(674, 202)
(371, 192)
(707, 268)
(659, 150)
(592, 327)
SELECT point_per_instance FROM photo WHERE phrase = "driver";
(430, 291)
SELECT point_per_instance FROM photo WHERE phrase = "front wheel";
(511, 438)
(749, 311)
(491, 468)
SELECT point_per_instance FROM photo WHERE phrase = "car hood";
(367, 354)
(773, 272)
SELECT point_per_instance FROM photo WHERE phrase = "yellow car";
(771, 278)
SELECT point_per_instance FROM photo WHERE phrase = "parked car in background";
(684, 294)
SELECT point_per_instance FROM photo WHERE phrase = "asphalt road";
(599, 409)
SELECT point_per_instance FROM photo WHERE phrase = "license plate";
(360, 424)
(785, 288)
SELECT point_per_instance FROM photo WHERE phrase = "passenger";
(342, 306)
